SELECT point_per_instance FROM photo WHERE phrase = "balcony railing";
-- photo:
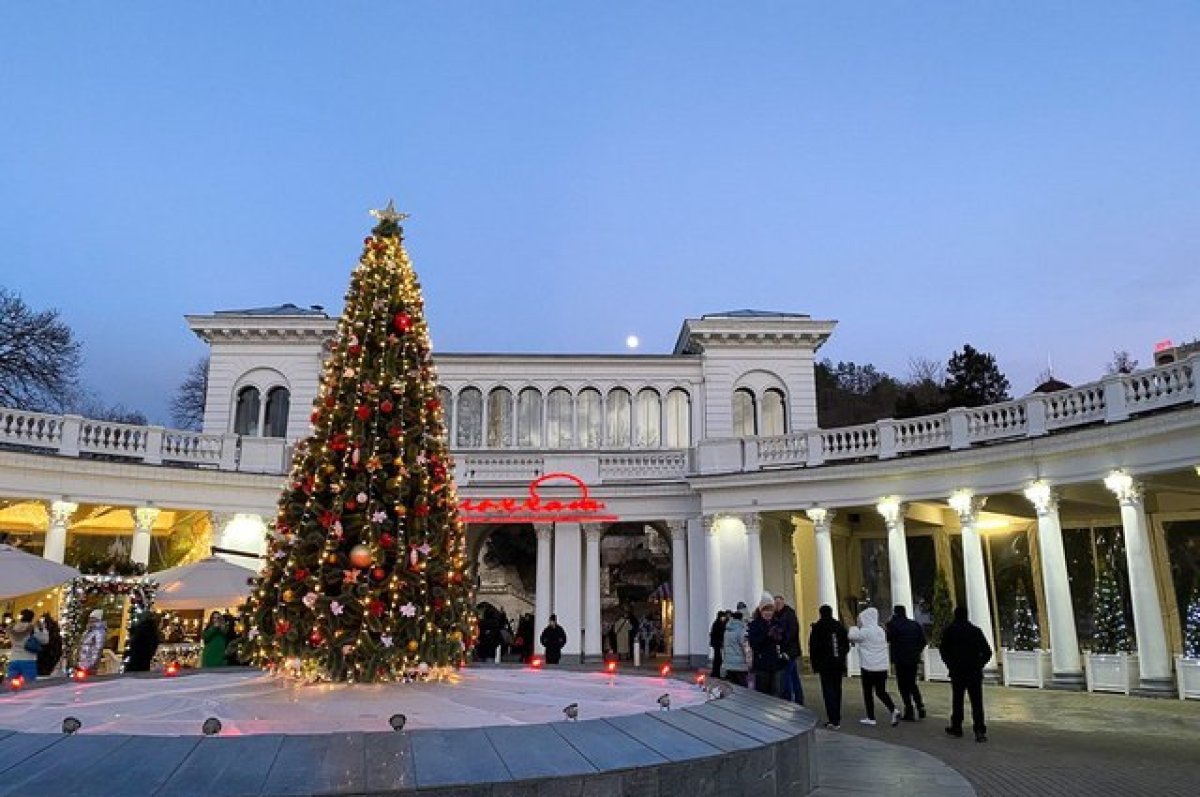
(1111, 400)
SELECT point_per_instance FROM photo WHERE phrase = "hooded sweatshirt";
(733, 651)
(871, 640)
(18, 633)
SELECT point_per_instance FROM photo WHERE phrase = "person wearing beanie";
(907, 640)
(828, 645)
(94, 638)
(765, 634)
(553, 639)
(966, 651)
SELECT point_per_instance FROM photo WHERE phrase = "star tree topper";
(390, 213)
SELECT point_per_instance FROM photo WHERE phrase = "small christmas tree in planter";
(1188, 664)
(1111, 665)
(943, 613)
(1025, 663)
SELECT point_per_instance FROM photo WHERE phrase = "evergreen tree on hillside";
(973, 379)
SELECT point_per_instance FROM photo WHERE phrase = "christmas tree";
(1025, 630)
(943, 607)
(1110, 632)
(1191, 625)
(364, 575)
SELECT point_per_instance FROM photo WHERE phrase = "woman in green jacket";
(215, 638)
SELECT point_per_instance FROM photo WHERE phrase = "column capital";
(892, 509)
(544, 531)
(752, 521)
(61, 511)
(822, 519)
(145, 516)
(1124, 487)
(1043, 497)
(678, 529)
(967, 505)
(593, 531)
(710, 524)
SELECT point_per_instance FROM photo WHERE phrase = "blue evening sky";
(1022, 176)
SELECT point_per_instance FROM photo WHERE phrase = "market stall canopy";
(207, 584)
(23, 573)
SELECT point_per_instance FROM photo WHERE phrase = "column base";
(991, 675)
(1156, 687)
(1067, 682)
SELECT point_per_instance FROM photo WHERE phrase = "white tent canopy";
(23, 573)
(208, 584)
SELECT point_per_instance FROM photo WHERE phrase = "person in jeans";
(790, 687)
(828, 645)
(873, 658)
(907, 640)
(966, 651)
(26, 639)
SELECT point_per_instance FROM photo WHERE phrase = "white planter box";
(1112, 672)
(853, 666)
(935, 668)
(1187, 671)
(1027, 668)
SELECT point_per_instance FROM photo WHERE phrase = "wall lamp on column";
(889, 507)
(1118, 482)
(961, 501)
(1038, 493)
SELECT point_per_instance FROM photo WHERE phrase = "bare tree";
(39, 357)
(924, 370)
(90, 406)
(1122, 362)
(187, 406)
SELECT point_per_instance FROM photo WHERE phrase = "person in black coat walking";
(554, 639)
(965, 650)
(716, 641)
(828, 645)
(907, 640)
(143, 643)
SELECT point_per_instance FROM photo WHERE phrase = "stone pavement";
(1040, 742)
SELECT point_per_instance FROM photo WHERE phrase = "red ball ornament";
(363, 412)
(354, 348)
(403, 322)
(282, 627)
(385, 406)
(330, 401)
(301, 574)
(360, 556)
(386, 540)
(378, 573)
(375, 607)
(351, 505)
(315, 638)
(339, 442)
(316, 416)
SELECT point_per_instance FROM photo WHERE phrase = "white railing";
(499, 467)
(786, 449)
(1074, 407)
(995, 422)
(922, 434)
(644, 465)
(32, 429)
(850, 442)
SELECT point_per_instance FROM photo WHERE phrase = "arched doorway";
(635, 590)
(504, 572)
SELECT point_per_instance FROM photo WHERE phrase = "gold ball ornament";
(360, 556)
(412, 646)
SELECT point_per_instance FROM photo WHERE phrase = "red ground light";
(535, 663)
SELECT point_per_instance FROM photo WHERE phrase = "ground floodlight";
(70, 725)
(665, 670)
(397, 721)
(664, 701)
(572, 711)
(211, 726)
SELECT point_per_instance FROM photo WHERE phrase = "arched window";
(500, 415)
(245, 416)
(446, 399)
(558, 418)
(470, 418)
(529, 418)
(618, 427)
(774, 420)
(745, 415)
(278, 401)
(589, 412)
(679, 419)
(648, 421)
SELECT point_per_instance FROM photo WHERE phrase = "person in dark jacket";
(143, 643)
(716, 641)
(790, 687)
(50, 654)
(965, 650)
(907, 640)
(827, 648)
(554, 639)
(764, 635)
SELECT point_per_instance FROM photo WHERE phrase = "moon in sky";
(632, 342)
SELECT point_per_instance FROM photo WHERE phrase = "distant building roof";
(279, 309)
(1051, 385)
(754, 314)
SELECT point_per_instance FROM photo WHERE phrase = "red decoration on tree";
(339, 442)
(301, 574)
(385, 406)
(403, 322)
(282, 627)
(386, 540)
(363, 412)
(375, 607)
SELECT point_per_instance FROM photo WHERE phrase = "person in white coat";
(871, 640)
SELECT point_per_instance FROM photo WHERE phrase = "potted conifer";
(943, 613)
(1112, 666)
(1188, 665)
(1025, 663)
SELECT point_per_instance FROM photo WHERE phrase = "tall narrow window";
(745, 415)
(470, 418)
(529, 418)
(618, 427)
(774, 419)
(648, 422)
(589, 411)
(278, 401)
(446, 398)
(558, 418)
(500, 417)
(245, 416)
(679, 419)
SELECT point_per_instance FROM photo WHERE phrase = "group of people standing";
(767, 651)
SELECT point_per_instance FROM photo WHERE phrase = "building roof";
(1051, 385)
(754, 314)
(278, 310)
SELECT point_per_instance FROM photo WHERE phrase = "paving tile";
(139, 767)
(43, 774)
(453, 757)
(537, 751)
(389, 762)
(19, 747)
(327, 764)
(231, 766)
(742, 724)
(717, 735)
(606, 746)
(668, 741)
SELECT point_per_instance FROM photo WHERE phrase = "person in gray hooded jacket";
(733, 651)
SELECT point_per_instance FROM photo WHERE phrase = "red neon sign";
(534, 509)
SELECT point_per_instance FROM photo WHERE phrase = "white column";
(1154, 658)
(1064, 642)
(55, 548)
(822, 521)
(543, 598)
(593, 640)
(568, 572)
(753, 524)
(979, 610)
(143, 521)
(714, 565)
(681, 616)
(893, 516)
